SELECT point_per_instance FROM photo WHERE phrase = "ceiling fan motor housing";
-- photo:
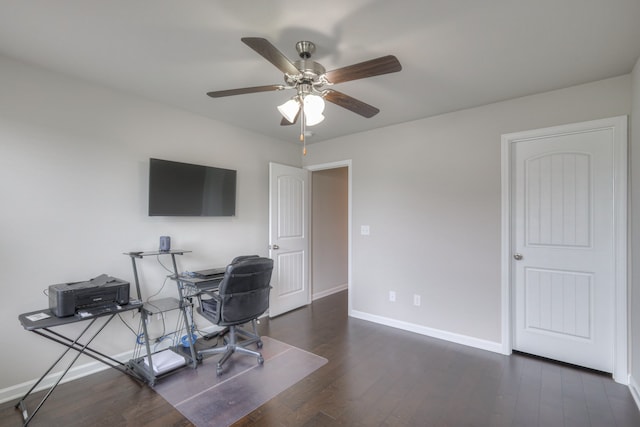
(310, 72)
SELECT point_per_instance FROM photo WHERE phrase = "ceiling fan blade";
(350, 103)
(374, 67)
(271, 54)
(241, 91)
(285, 122)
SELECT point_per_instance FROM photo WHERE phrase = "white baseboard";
(326, 293)
(635, 390)
(17, 391)
(492, 346)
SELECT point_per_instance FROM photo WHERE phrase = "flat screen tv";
(183, 189)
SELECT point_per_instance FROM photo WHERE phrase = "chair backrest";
(244, 290)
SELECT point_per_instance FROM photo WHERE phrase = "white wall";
(73, 198)
(430, 192)
(634, 217)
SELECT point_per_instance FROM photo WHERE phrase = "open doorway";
(330, 228)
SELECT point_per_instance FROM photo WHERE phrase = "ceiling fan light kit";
(312, 83)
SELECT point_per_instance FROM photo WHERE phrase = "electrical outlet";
(416, 300)
(392, 296)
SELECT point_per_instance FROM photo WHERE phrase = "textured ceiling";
(455, 54)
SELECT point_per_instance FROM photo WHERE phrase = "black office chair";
(243, 295)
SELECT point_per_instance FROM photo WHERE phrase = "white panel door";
(564, 270)
(289, 217)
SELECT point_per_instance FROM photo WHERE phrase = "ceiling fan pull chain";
(302, 129)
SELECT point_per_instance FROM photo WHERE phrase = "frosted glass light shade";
(311, 120)
(289, 109)
(313, 105)
(313, 108)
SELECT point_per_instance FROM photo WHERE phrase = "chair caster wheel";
(259, 344)
(260, 360)
(219, 370)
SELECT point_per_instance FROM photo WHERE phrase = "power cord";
(164, 266)
(164, 325)
(127, 325)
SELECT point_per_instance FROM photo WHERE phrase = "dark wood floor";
(376, 376)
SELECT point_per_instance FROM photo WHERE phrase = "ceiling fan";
(312, 83)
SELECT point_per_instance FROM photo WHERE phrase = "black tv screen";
(183, 189)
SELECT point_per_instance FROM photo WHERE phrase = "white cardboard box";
(164, 361)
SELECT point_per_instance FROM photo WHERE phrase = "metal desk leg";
(188, 325)
(21, 404)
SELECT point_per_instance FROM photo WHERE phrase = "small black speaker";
(165, 243)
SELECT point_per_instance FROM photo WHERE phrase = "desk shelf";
(161, 305)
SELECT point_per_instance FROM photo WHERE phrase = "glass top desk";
(43, 322)
(192, 285)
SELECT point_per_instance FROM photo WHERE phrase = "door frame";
(335, 165)
(620, 154)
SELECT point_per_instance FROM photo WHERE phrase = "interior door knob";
(275, 247)
(517, 256)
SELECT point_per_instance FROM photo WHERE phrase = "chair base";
(233, 346)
